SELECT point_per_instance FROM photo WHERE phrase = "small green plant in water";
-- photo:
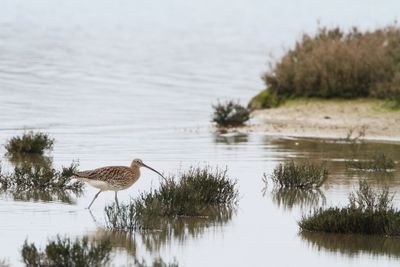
(300, 176)
(368, 212)
(365, 198)
(230, 114)
(65, 252)
(198, 192)
(33, 181)
(30, 142)
(379, 163)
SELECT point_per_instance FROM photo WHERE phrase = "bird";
(113, 178)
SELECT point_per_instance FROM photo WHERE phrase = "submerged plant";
(30, 142)
(65, 252)
(369, 212)
(30, 160)
(158, 262)
(180, 229)
(354, 244)
(198, 192)
(379, 162)
(230, 114)
(301, 176)
(289, 197)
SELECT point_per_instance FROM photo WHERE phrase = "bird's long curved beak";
(150, 168)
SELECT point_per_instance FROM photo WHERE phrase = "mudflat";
(364, 118)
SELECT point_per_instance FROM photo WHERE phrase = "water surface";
(117, 80)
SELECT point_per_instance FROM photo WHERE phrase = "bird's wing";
(104, 173)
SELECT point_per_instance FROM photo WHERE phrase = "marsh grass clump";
(300, 176)
(40, 182)
(40, 178)
(196, 193)
(368, 212)
(230, 114)
(66, 252)
(379, 162)
(30, 142)
(365, 198)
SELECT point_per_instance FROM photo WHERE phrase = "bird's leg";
(116, 199)
(94, 199)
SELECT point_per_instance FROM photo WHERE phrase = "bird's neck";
(135, 169)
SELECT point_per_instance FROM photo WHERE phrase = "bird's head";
(137, 163)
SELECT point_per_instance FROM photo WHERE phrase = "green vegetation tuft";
(365, 198)
(368, 212)
(334, 63)
(300, 176)
(40, 182)
(199, 192)
(230, 114)
(30, 142)
(64, 252)
(378, 163)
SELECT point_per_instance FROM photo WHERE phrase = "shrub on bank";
(369, 212)
(197, 193)
(30, 142)
(230, 114)
(333, 63)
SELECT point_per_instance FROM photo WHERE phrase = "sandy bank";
(329, 119)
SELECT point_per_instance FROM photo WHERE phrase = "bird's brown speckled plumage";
(113, 178)
(117, 177)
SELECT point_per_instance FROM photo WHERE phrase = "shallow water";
(113, 81)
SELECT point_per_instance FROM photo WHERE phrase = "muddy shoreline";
(355, 119)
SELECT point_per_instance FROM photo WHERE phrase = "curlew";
(112, 178)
